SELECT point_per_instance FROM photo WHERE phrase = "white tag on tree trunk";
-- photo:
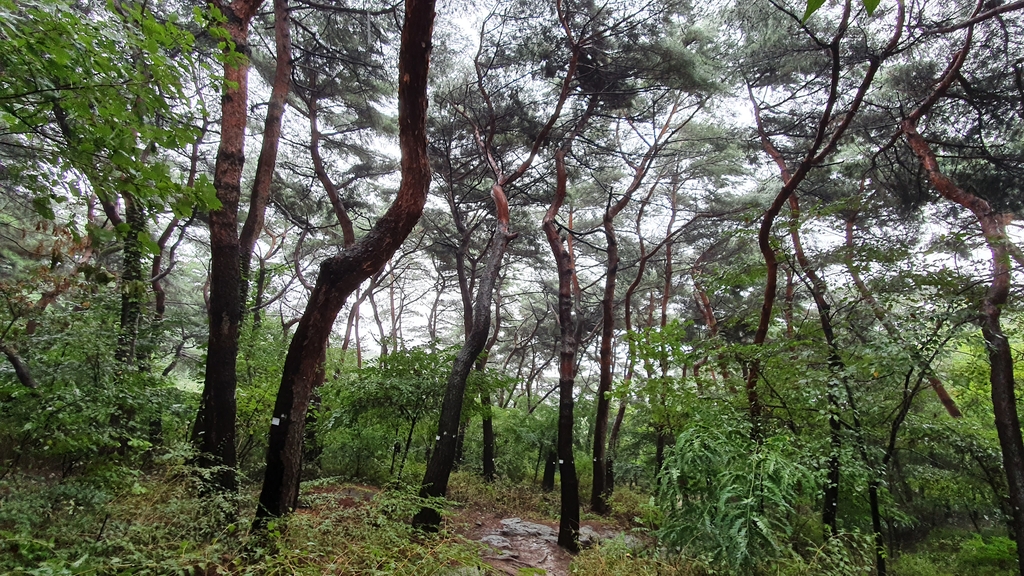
(275, 421)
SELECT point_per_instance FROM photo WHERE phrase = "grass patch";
(161, 525)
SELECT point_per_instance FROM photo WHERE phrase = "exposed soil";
(515, 543)
(521, 551)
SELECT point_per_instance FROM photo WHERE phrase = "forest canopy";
(742, 280)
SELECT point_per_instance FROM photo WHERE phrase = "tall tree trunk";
(826, 139)
(993, 228)
(478, 323)
(601, 490)
(439, 468)
(342, 274)
(550, 467)
(133, 285)
(488, 432)
(267, 162)
(486, 421)
(569, 517)
(214, 431)
(830, 493)
(1001, 378)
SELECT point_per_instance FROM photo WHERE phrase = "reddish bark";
(214, 431)
(342, 274)
(822, 145)
(267, 161)
(347, 230)
(1004, 404)
(569, 517)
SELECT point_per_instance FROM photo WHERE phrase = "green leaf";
(148, 244)
(43, 208)
(812, 7)
(870, 5)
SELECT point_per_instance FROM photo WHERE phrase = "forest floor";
(524, 543)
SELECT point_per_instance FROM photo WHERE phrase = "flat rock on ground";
(514, 544)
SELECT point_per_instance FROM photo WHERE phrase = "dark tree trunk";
(569, 518)
(609, 477)
(214, 432)
(550, 466)
(659, 452)
(342, 274)
(439, 468)
(488, 431)
(133, 285)
(21, 369)
(837, 368)
(1001, 378)
(477, 324)
(460, 444)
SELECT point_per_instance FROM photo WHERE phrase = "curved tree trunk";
(826, 139)
(1001, 378)
(439, 468)
(342, 274)
(601, 475)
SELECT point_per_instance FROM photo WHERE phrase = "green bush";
(727, 500)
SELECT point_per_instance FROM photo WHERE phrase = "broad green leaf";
(812, 7)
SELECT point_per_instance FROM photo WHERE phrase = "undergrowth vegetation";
(161, 524)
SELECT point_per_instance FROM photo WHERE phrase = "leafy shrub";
(727, 500)
(997, 553)
(632, 507)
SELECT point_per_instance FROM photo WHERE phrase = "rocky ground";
(514, 544)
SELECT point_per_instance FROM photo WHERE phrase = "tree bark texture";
(342, 274)
(21, 370)
(264, 176)
(569, 518)
(550, 467)
(214, 432)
